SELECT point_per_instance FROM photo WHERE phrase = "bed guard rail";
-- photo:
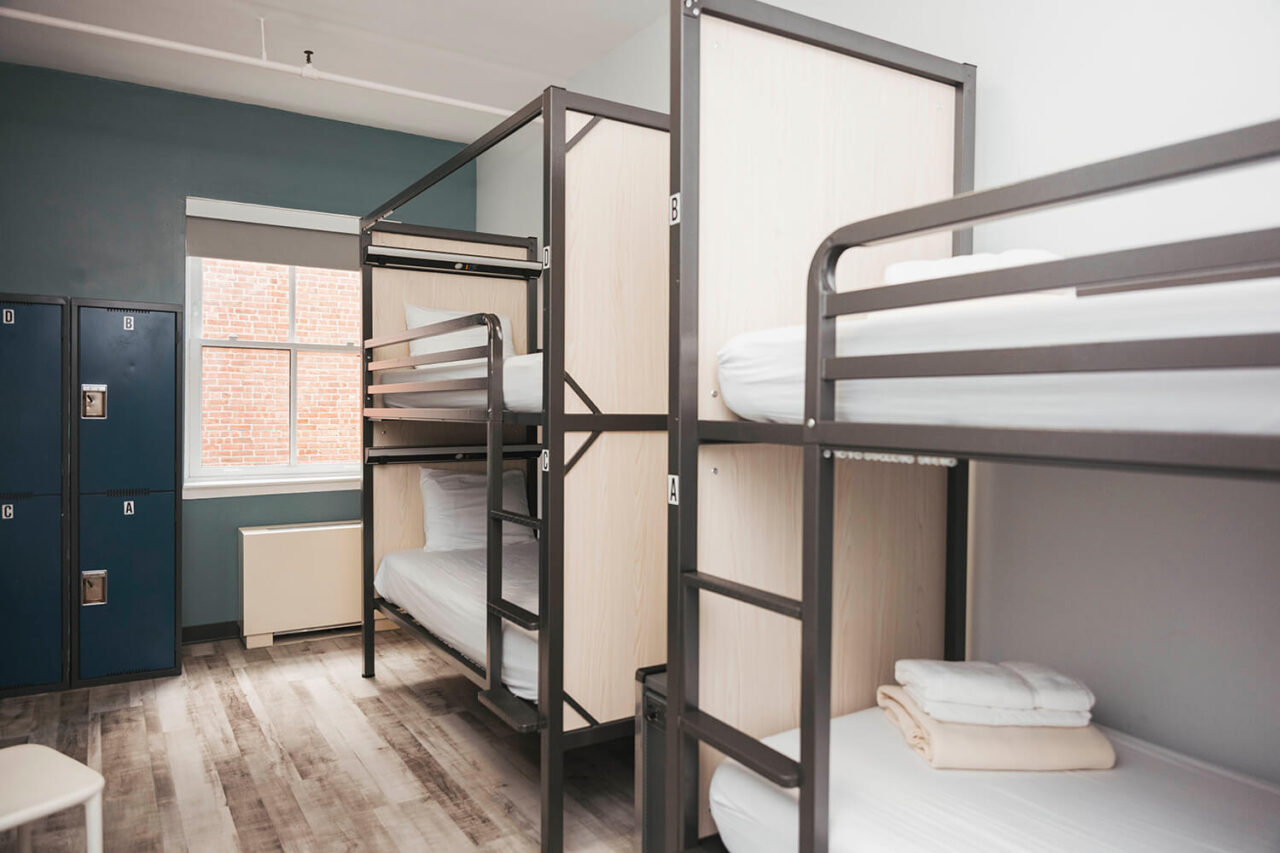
(1210, 260)
(491, 382)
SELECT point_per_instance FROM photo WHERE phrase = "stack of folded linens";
(984, 716)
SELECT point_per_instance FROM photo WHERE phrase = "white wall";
(509, 185)
(1161, 591)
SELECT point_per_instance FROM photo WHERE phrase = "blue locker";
(132, 353)
(131, 538)
(31, 396)
(31, 623)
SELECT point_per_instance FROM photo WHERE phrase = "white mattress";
(762, 373)
(521, 385)
(445, 592)
(885, 797)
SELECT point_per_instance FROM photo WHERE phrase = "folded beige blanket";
(963, 746)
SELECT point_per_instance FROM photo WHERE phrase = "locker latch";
(93, 401)
(93, 587)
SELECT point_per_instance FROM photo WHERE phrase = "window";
(273, 374)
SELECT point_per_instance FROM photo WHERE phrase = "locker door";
(30, 591)
(131, 538)
(31, 398)
(132, 354)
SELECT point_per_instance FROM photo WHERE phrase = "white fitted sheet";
(762, 372)
(445, 592)
(885, 797)
(521, 385)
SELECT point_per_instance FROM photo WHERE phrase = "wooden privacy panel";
(796, 141)
(397, 499)
(616, 255)
(890, 549)
(615, 564)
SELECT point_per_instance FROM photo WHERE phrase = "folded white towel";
(1014, 685)
(966, 682)
(982, 715)
(1052, 689)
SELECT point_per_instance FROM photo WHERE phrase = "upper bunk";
(1159, 357)
(451, 340)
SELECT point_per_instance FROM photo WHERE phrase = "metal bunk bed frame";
(546, 452)
(687, 433)
(1211, 260)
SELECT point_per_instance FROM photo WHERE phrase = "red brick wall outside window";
(245, 393)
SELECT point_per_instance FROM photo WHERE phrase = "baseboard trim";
(210, 632)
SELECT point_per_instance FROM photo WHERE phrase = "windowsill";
(199, 489)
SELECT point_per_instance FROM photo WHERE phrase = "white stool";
(36, 781)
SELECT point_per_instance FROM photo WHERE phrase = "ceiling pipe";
(308, 70)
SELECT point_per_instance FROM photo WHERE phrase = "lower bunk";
(444, 593)
(885, 797)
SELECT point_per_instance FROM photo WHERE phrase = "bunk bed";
(831, 126)
(513, 488)
(759, 593)
(1159, 358)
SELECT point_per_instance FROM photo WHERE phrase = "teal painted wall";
(94, 176)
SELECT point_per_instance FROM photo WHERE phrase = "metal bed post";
(551, 582)
(366, 469)
(816, 583)
(682, 536)
(493, 526)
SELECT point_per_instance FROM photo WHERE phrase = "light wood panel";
(396, 494)
(795, 142)
(616, 255)
(889, 581)
(615, 581)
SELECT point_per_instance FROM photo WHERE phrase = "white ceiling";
(499, 53)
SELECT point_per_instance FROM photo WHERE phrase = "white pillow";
(477, 336)
(454, 509)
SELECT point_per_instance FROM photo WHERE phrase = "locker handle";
(93, 587)
(93, 401)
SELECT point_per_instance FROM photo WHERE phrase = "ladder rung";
(516, 518)
(751, 753)
(742, 592)
(512, 710)
(515, 613)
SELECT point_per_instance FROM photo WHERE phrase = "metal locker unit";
(126, 468)
(126, 564)
(31, 592)
(127, 379)
(34, 443)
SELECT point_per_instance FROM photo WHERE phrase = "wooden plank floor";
(288, 748)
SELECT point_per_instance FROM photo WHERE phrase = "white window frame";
(201, 482)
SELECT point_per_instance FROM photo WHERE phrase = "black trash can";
(651, 756)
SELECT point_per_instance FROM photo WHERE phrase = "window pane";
(245, 299)
(328, 306)
(244, 407)
(328, 407)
